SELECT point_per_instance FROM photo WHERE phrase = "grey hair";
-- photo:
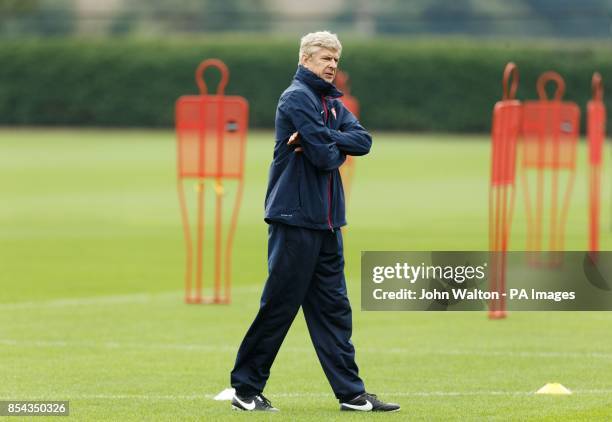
(315, 40)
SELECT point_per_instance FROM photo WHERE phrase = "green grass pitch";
(91, 306)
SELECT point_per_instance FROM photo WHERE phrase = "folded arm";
(316, 140)
(352, 138)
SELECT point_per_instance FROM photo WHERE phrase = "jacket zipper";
(329, 183)
(324, 108)
(329, 198)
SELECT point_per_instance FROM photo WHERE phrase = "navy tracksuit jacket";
(305, 208)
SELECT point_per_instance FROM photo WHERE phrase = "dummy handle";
(548, 77)
(510, 81)
(597, 85)
(199, 75)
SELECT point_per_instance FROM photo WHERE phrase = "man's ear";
(303, 59)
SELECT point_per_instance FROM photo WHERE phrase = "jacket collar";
(318, 85)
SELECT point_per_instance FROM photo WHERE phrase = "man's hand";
(294, 139)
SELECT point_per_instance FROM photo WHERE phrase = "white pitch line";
(199, 347)
(516, 354)
(110, 300)
(117, 345)
(206, 396)
(85, 301)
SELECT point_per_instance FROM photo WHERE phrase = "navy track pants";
(306, 268)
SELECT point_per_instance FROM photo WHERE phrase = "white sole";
(239, 409)
(347, 409)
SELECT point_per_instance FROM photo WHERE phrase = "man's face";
(323, 63)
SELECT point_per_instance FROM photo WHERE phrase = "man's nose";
(334, 65)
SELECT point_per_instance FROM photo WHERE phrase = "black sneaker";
(254, 403)
(367, 402)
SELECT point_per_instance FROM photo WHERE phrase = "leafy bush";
(440, 85)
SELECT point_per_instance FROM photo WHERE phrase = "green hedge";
(443, 85)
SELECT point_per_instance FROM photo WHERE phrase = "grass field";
(91, 304)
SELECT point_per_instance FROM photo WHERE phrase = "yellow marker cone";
(554, 388)
(199, 187)
(219, 188)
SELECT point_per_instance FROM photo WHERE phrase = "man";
(305, 210)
